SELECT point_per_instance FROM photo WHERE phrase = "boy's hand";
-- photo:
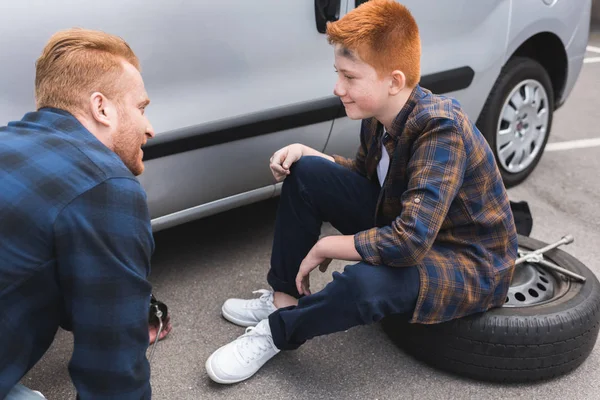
(338, 247)
(310, 262)
(283, 159)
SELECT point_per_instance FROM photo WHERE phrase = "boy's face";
(363, 93)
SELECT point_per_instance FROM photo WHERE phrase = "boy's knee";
(307, 172)
(309, 167)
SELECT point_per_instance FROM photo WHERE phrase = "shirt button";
(417, 200)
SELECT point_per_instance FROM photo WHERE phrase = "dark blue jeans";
(318, 191)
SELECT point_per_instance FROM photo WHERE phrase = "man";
(422, 208)
(76, 238)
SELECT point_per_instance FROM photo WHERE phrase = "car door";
(234, 81)
(463, 45)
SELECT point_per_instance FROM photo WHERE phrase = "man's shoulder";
(61, 163)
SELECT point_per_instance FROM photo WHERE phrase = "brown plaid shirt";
(442, 207)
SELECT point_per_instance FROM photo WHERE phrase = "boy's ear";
(397, 83)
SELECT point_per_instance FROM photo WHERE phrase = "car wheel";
(547, 327)
(517, 117)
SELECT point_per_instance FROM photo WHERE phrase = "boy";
(422, 208)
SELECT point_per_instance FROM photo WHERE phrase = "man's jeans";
(20, 392)
(318, 191)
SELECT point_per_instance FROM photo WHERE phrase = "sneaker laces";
(254, 343)
(267, 296)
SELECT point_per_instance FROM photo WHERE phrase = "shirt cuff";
(365, 243)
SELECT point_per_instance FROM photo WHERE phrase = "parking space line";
(573, 144)
(593, 49)
(591, 60)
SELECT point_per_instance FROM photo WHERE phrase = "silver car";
(231, 81)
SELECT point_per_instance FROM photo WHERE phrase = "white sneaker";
(243, 357)
(249, 312)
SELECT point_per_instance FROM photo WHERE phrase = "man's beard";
(128, 149)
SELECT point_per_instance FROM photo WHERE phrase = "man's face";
(364, 95)
(133, 129)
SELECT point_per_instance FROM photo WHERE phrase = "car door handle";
(325, 11)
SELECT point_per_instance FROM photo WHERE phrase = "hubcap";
(522, 126)
(532, 285)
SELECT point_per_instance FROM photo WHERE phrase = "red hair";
(77, 62)
(384, 34)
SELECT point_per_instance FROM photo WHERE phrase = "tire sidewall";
(580, 299)
(513, 344)
(514, 72)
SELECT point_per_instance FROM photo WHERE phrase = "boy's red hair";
(384, 34)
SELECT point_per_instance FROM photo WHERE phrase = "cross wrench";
(537, 257)
(565, 240)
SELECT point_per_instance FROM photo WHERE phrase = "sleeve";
(435, 170)
(104, 243)
(358, 163)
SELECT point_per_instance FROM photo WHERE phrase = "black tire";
(516, 70)
(505, 344)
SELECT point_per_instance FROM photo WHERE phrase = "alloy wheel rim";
(522, 126)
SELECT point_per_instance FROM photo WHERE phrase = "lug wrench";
(537, 257)
(556, 268)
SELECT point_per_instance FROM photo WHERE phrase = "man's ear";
(397, 83)
(103, 111)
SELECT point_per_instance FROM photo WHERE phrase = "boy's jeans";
(20, 392)
(317, 191)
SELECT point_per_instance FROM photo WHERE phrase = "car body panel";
(233, 81)
(569, 20)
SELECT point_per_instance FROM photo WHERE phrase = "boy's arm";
(309, 151)
(435, 172)
(103, 248)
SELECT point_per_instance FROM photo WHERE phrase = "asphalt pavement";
(199, 265)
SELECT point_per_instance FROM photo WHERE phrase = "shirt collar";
(65, 122)
(400, 121)
(61, 120)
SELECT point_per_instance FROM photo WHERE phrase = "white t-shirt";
(384, 163)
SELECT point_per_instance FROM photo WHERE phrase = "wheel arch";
(547, 49)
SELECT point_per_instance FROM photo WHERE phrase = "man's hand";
(283, 159)
(153, 330)
(312, 260)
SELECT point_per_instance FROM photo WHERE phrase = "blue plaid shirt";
(75, 248)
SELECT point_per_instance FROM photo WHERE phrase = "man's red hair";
(384, 34)
(78, 62)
